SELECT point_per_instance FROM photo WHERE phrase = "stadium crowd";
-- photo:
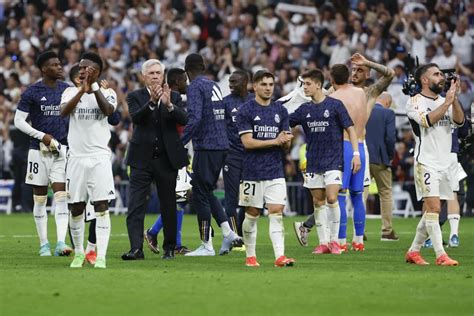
(285, 37)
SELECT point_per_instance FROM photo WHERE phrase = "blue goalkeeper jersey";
(206, 125)
(232, 104)
(323, 124)
(43, 105)
(264, 123)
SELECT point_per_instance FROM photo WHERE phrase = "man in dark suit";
(177, 81)
(155, 154)
(380, 137)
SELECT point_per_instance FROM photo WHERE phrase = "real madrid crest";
(277, 118)
(30, 176)
(326, 114)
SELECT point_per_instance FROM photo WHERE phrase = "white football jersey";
(432, 141)
(89, 132)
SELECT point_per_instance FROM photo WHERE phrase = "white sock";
(342, 241)
(76, 224)
(434, 231)
(61, 215)
(334, 216)
(208, 244)
(453, 220)
(102, 231)
(225, 227)
(358, 239)
(320, 219)
(420, 236)
(41, 217)
(90, 247)
(277, 234)
(249, 230)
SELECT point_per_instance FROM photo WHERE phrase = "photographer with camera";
(431, 117)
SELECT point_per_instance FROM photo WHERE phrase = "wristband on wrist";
(95, 87)
(356, 153)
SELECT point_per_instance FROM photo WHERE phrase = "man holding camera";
(431, 117)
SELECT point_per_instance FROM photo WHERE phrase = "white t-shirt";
(432, 142)
(444, 62)
(89, 132)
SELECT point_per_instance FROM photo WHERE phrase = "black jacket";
(145, 123)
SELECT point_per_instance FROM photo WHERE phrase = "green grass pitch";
(376, 282)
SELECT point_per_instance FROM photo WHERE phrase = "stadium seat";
(6, 187)
(402, 204)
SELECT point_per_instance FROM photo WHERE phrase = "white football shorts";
(432, 183)
(89, 179)
(45, 167)
(321, 180)
(258, 193)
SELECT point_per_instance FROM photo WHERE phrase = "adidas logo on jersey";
(308, 116)
(256, 118)
(43, 99)
(234, 110)
(216, 94)
(111, 193)
(337, 179)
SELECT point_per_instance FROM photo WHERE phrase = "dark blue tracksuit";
(206, 127)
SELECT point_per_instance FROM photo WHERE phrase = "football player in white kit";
(431, 117)
(89, 170)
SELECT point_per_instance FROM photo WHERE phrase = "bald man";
(380, 138)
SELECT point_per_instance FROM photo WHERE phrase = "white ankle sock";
(90, 247)
(61, 215)
(249, 230)
(41, 217)
(320, 218)
(277, 234)
(334, 216)
(225, 227)
(76, 225)
(434, 231)
(453, 220)
(102, 230)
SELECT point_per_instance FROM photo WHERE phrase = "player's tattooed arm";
(373, 91)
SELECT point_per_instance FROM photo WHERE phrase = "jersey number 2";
(427, 178)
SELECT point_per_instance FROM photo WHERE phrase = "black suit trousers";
(159, 170)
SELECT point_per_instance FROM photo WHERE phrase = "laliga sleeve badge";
(226, 168)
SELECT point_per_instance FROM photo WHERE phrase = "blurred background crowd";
(285, 37)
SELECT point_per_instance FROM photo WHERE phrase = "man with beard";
(431, 117)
